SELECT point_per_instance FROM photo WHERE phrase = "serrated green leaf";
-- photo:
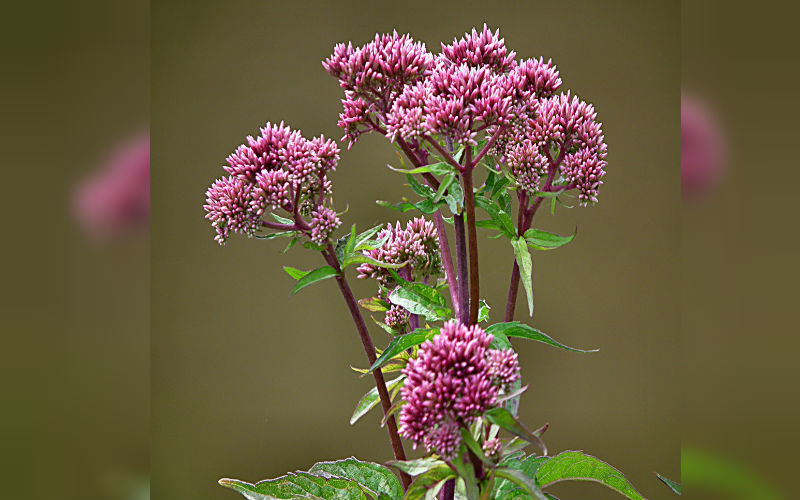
(314, 276)
(363, 241)
(294, 272)
(297, 485)
(502, 418)
(417, 466)
(419, 298)
(272, 236)
(526, 484)
(499, 216)
(290, 244)
(374, 304)
(577, 466)
(443, 187)
(419, 488)
(455, 198)
(441, 168)
(543, 240)
(674, 486)
(282, 220)
(371, 399)
(375, 479)
(483, 311)
(505, 489)
(402, 343)
(419, 188)
(521, 330)
(361, 259)
(525, 263)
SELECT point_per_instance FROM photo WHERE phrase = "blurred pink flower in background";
(702, 158)
(115, 200)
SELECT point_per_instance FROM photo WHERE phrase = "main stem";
(369, 348)
(469, 208)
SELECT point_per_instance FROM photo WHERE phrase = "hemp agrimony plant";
(475, 129)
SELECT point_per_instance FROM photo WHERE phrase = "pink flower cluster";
(416, 244)
(373, 75)
(450, 384)
(279, 168)
(474, 88)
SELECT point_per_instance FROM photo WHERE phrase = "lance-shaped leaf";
(542, 240)
(416, 467)
(526, 484)
(673, 485)
(358, 258)
(371, 399)
(374, 304)
(427, 481)
(525, 264)
(483, 311)
(507, 489)
(577, 466)
(299, 485)
(375, 479)
(521, 330)
(419, 298)
(502, 418)
(272, 236)
(403, 342)
(499, 217)
(440, 168)
(312, 277)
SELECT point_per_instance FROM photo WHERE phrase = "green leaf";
(371, 399)
(441, 168)
(314, 276)
(542, 240)
(374, 304)
(290, 244)
(298, 485)
(294, 272)
(525, 264)
(272, 236)
(419, 188)
(313, 246)
(358, 258)
(502, 418)
(500, 218)
(375, 479)
(521, 330)
(674, 486)
(419, 488)
(577, 466)
(282, 220)
(443, 187)
(473, 445)
(415, 467)
(402, 343)
(350, 244)
(483, 311)
(526, 484)
(455, 198)
(506, 489)
(363, 241)
(419, 298)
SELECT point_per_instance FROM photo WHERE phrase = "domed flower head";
(373, 75)
(450, 384)
(279, 168)
(569, 126)
(484, 49)
(416, 245)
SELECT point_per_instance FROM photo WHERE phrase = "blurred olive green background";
(74, 361)
(739, 248)
(249, 382)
